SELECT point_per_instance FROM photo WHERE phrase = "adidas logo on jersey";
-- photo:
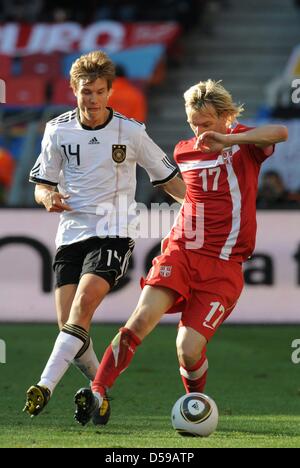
(94, 141)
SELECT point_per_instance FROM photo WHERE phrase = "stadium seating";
(46, 65)
(5, 66)
(62, 94)
(26, 91)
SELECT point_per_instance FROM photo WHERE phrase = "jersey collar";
(86, 127)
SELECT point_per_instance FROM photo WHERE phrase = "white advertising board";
(271, 294)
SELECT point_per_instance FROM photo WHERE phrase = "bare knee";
(187, 356)
(189, 345)
(140, 321)
(83, 309)
(84, 302)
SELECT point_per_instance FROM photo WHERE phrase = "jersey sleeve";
(154, 161)
(257, 153)
(49, 163)
(177, 149)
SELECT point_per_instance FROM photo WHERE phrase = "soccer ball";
(195, 414)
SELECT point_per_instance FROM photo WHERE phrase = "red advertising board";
(25, 39)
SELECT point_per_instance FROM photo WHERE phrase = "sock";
(194, 379)
(88, 362)
(69, 343)
(116, 359)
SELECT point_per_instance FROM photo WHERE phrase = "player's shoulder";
(62, 119)
(130, 123)
(184, 145)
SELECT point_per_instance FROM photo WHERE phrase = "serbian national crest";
(227, 156)
(119, 153)
(165, 271)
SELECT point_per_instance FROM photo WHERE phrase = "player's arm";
(160, 169)
(45, 174)
(263, 137)
(176, 188)
(53, 201)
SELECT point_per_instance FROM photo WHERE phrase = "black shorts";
(107, 257)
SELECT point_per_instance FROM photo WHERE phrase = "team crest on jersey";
(227, 156)
(165, 271)
(119, 153)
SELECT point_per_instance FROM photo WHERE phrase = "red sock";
(116, 359)
(194, 379)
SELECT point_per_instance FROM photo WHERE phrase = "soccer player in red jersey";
(200, 269)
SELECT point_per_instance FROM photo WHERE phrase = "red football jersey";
(218, 217)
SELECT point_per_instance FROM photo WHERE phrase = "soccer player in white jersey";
(199, 275)
(87, 162)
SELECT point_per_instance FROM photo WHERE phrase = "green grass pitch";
(252, 379)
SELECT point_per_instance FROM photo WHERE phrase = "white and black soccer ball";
(195, 414)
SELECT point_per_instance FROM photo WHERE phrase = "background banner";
(271, 294)
(112, 36)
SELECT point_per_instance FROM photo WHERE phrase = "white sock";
(88, 363)
(99, 398)
(65, 349)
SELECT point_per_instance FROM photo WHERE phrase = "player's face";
(92, 100)
(206, 119)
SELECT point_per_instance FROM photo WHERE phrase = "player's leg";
(67, 267)
(111, 263)
(168, 279)
(153, 303)
(64, 296)
(72, 342)
(91, 262)
(88, 362)
(200, 320)
(73, 339)
(191, 351)
(216, 289)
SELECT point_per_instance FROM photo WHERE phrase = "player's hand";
(211, 142)
(54, 202)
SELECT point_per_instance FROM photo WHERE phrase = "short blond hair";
(91, 66)
(211, 92)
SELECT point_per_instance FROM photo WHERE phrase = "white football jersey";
(97, 169)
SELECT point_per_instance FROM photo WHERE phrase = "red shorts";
(208, 287)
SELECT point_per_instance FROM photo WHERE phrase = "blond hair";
(211, 92)
(91, 66)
